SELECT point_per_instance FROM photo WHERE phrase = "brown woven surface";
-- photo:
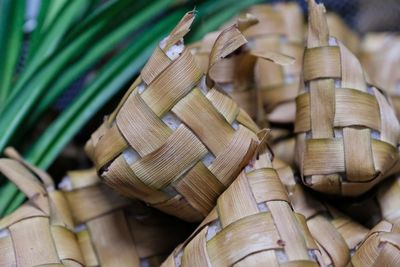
(339, 30)
(234, 74)
(180, 169)
(388, 198)
(337, 235)
(380, 248)
(253, 224)
(114, 231)
(280, 29)
(347, 132)
(381, 58)
(284, 149)
(38, 233)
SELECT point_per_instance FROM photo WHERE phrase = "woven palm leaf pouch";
(346, 130)
(381, 247)
(253, 224)
(39, 233)
(280, 29)
(175, 141)
(115, 231)
(336, 235)
(235, 74)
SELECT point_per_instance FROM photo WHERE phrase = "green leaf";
(11, 33)
(50, 36)
(21, 104)
(110, 80)
(8, 193)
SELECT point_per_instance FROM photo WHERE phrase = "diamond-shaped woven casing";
(39, 233)
(114, 231)
(381, 247)
(347, 132)
(280, 29)
(253, 224)
(336, 235)
(172, 142)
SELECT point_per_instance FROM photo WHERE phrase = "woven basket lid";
(347, 132)
(39, 233)
(174, 141)
(115, 231)
(336, 235)
(381, 247)
(253, 224)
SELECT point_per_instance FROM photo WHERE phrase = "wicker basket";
(114, 231)
(253, 224)
(280, 29)
(39, 233)
(337, 235)
(380, 248)
(347, 132)
(172, 142)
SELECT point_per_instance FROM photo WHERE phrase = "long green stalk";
(11, 21)
(20, 106)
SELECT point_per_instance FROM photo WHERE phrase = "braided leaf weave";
(114, 231)
(381, 247)
(336, 235)
(388, 198)
(172, 142)
(39, 233)
(252, 224)
(347, 132)
(280, 29)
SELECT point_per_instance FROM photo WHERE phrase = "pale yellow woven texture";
(253, 224)
(347, 132)
(39, 233)
(170, 173)
(380, 248)
(337, 235)
(115, 231)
